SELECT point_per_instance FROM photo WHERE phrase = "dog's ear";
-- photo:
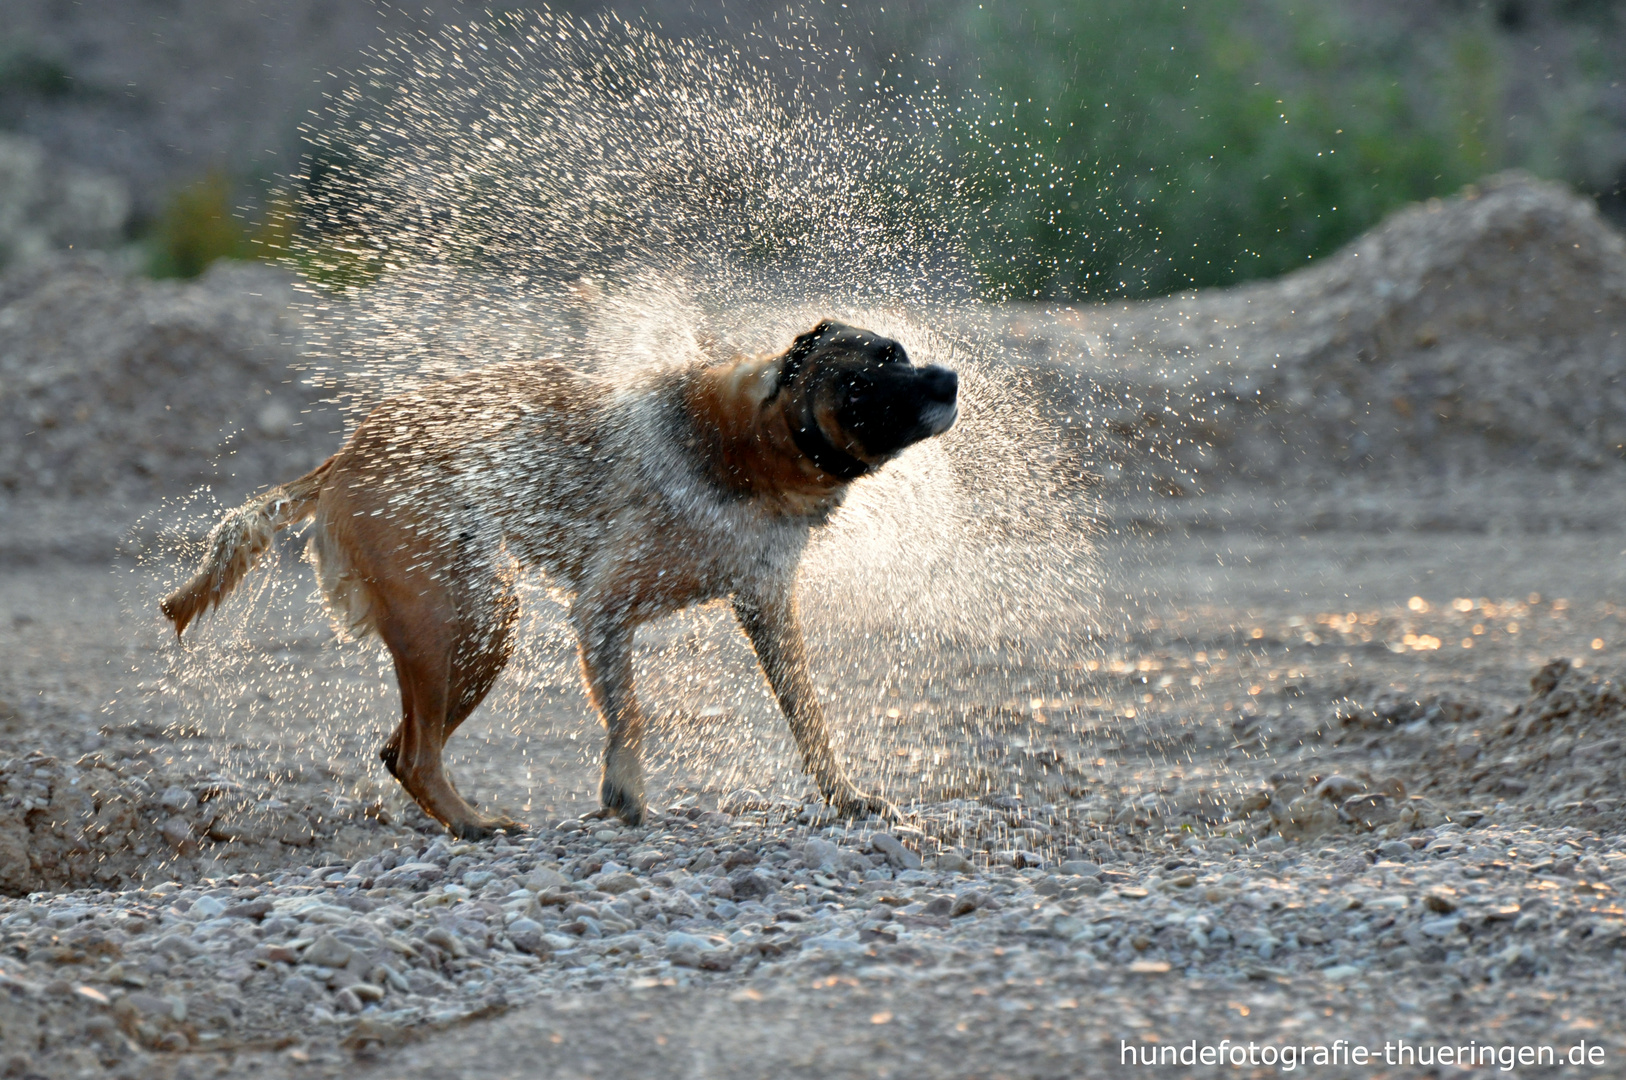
(804, 342)
(799, 351)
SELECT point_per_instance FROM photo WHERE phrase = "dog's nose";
(940, 383)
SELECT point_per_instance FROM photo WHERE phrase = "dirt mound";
(1561, 749)
(114, 383)
(1454, 756)
(1461, 335)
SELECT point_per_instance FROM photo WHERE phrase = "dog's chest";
(684, 543)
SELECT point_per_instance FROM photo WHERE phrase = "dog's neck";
(754, 451)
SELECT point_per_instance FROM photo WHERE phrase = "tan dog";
(700, 483)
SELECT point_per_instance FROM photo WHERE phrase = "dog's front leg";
(776, 634)
(604, 636)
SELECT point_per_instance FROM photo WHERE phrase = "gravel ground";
(1273, 871)
(327, 961)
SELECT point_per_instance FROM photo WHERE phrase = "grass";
(197, 226)
(1135, 150)
(200, 225)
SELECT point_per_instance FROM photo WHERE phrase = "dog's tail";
(238, 541)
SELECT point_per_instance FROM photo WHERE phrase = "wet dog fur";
(695, 484)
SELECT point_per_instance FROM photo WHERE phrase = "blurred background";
(1173, 145)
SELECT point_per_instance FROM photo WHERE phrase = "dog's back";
(509, 455)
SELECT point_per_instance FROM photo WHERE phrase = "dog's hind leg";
(447, 655)
(605, 635)
(776, 636)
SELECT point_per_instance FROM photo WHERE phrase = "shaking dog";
(697, 483)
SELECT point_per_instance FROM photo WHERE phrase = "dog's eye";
(854, 385)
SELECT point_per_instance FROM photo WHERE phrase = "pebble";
(821, 854)
(527, 936)
(899, 856)
(206, 907)
(327, 951)
(680, 940)
(1441, 927)
(544, 879)
(177, 800)
(830, 943)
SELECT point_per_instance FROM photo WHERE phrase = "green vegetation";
(197, 227)
(1138, 149)
(1114, 149)
(200, 225)
(23, 71)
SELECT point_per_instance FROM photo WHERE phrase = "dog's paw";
(486, 828)
(850, 802)
(621, 814)
(618, 801)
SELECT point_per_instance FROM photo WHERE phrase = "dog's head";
(855, 401)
